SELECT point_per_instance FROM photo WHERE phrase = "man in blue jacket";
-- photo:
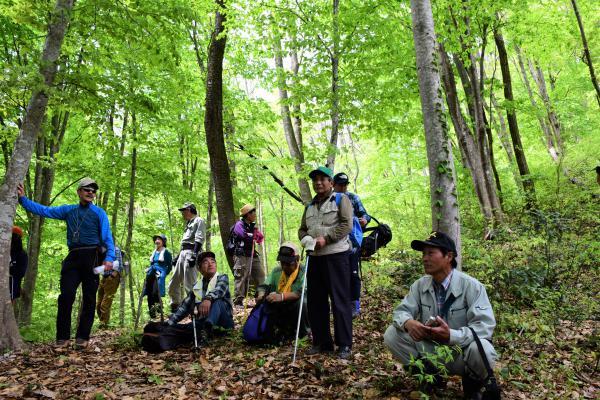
(90, 245)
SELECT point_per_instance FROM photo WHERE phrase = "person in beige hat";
(247, 270)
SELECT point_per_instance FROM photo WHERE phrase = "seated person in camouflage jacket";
(209, 300)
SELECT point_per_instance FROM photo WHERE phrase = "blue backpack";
(256, 329)
(356, 234)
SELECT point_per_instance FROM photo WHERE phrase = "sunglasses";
(89, 190)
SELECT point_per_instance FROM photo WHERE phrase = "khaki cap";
(246, 209)
(87, 182)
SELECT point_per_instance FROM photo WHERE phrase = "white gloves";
(308, 243)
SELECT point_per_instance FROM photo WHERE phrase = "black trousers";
(78, 268)
(355, 275)
(328, 278)
(152, 292)
(283, 318)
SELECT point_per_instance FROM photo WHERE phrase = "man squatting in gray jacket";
(411, 336)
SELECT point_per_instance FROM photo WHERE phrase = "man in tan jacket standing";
(185, 274)
(324, 229)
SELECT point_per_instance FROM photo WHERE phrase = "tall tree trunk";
(471, 156)
(548, 140)
(44, 182)
(335, 95)
(19, 163)
(513, 126)
(131, 208)
(117, 175)
(213, 125)
(471, 86)
(586, 51)
(553, 122)
(444, 200)
(209, 212)
(288, 128)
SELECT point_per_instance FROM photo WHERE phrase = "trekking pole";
(194, 327)
(139, 310)
(300, 309)
(249, 272)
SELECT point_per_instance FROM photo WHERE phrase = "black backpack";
(380, 236)
(231, 244)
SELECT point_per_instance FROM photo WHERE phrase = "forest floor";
(113, 368)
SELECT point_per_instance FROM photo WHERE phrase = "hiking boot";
(81, 344)
(344, 352)
(62, 343)
(318, 349)
(355, 308)
(472, 388)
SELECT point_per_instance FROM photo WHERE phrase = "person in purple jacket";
(90, 245)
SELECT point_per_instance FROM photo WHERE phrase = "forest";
(480, 119)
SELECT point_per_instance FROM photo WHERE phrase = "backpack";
(257, 329)
(159, 337)
(356, 234)
(380, 236)
(231, 244)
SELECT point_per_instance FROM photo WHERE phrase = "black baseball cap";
(204, 255)
(341, 178)
(437, 239)
(288, 253)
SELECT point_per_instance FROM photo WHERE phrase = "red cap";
(17, 230)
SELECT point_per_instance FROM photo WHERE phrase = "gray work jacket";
(471, 308)
(195, 231)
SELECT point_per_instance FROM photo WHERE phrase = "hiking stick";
(300, 309)
(194, 327)
(249, 272)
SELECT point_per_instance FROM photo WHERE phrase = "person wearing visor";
(324, 233)
(209, 301)
(156, 275)
(90, 243)
(185, 274)
(282, 294)
(247, 269)
(340, 185)
(441, 308)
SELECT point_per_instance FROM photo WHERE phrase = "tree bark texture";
(335, 85)
(44, 181)
(548, 137)
(19, 163)
(288, 128)
(466, 141)
(444, 199)
(586, 51)
(213, 125)
(513, 126)
(552, 117)
(475, 103)
(209, 212)
(131, 208)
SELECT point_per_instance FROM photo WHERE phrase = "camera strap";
(486, 363)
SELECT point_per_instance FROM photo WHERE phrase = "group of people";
(445, 307)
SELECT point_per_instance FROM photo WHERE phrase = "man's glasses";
(89, 190)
